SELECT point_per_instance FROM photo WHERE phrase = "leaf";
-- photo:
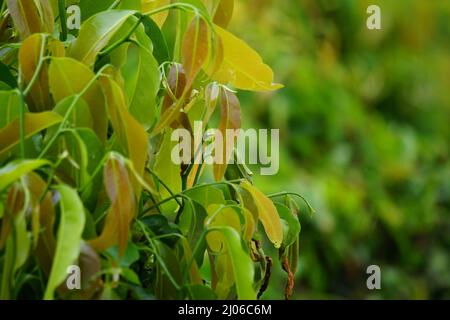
(68, 77)
(29, 58)
(123, 206)
(31, 16)
(221, 217)
(68, 237)
(242, 67)
(80, 115)
(95, 33)
(223, 13)
(34, 123)
(195, 48)
(241, 263)
(9, 106)
(160, 48)
(290, 223)
(230, 118)
(267, 214)
(129, 133)
(141, 78)
(6, 76)
(16, 169)
(149, 5)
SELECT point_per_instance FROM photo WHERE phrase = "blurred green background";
(365, 137)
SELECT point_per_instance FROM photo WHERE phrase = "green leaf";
(69, 239)
(34, 123)
(291, 225)
(95, 33)
(80, 115)
(141, 78)
(6, 76)
(242, 265)
(9, 106)
(160, 48)
(16, 169)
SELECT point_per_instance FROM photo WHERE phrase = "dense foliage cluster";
(86, 177)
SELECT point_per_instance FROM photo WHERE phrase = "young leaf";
(31, 16)
(267, 214)
(129, 133)
(123, 206)
(149, 5)
(141, 78)
(218, 216)
(68, 238)
(242, 264)
(195, 48)
(29, 58)
(34, 123)
(242, 67)
(95, 33)
(230, 119)
(290, 223)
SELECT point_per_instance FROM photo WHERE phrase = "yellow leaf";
(149, 5)
(220, 217)
(130, 135)
(29, 57)
(267, 214)
(242, 67)
(224, 12)
(34, 123)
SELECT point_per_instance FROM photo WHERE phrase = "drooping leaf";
(34, 123)
(69, 239)
(16, 169)
(241, 263)
(68, 77)
(9, 106)
(141, 78)
(242, 67)
(267, 214)
(29, 58)
(123, 206)
(230, 118)
(95, 33)
(220, 217)
(129, 133)
(80, 115)
(31, 16)
(160, 48)
(195, 48)
(291, 225)
(223, 13)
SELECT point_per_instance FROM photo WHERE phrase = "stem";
(22, 125)
(63, 19)
(280, 194)
(38, 68)
(115, 4)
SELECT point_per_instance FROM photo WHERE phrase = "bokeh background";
(364, 119)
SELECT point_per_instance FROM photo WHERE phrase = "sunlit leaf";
(223, 13)
(242, 67)
(95, 33)
(267, 214)
(16, 169)
(220, 217)
(149, 5)
(69, 240)
(34, 123)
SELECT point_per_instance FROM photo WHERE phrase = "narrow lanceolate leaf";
(267, 214)
(230, 118)
(130, 135)
(30, 52)
(9, 106)
(149, 5)
(68, 77)
(14, 170)
(34, 123)
(123, 206)
(242, 265)
(96, 33)
(195, 49)
(242, 67)
(141, 79)
(68, 237)
(223, 13)
(31, 16)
